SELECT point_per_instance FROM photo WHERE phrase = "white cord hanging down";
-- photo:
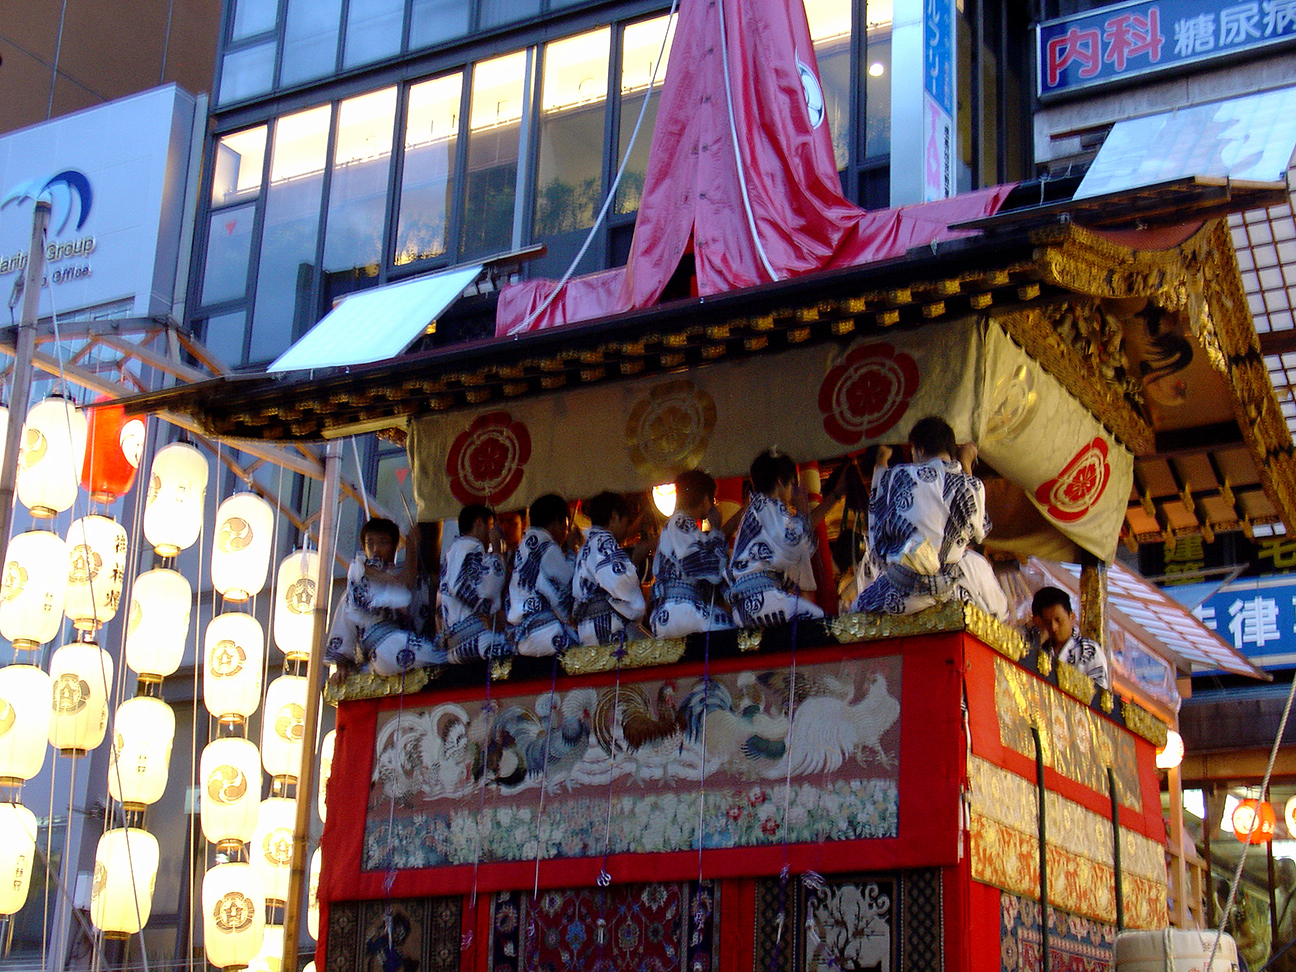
(616, 182)
(738, 159)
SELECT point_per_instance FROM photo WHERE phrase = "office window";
(357, 206)
(223, 334)
(427, 179)
(310, 40)
(240, 157)
(494, 129)
(229, 247)
(641, 50)
(830, 30)
(876, 71)
(374, 29)
(253, 17)
(246, 73)
(437, 21)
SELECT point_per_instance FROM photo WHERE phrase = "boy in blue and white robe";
(689, 592)
(471, 592)
(609, 601)
(540, 588)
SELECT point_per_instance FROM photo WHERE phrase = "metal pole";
(306, 778)
(25, 347)
(1116, 851)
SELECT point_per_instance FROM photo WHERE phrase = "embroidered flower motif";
(1074, 491)
(867, 392)
(488, 458)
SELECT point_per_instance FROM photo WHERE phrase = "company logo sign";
(71, 199)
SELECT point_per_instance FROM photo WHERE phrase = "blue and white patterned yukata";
(372, 628)
(923, 519)
(609, 600)
(471, 592)
(540, 596)
(772, 564)
(689, 593)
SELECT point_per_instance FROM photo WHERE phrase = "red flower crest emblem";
(1072, 493)
(867, 392)
(487, 459)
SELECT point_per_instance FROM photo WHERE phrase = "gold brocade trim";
(942, 619)
(1075, 683)
(749, 639)
(1143, 723)
(1044, 663)
(587, 659)
(367, 685)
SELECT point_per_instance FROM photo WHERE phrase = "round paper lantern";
(1254, 821)
(121, 895)
(233, 651)
(173, 510)
(233, 915)
(325, 771)
(33, 589)
(24, 722)
(96, 570)
(272, 847)
(1172, 753)
(143, 731)
(312, 896)
(283, 725)
(17, 855)
(270, 958)
(1289, 814)
(229, 773)
(49, 459)
(112, 451)
(294, 619)
(81, 675)
(158, 626)
(241, 547)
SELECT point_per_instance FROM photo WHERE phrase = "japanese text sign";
(1258, 617)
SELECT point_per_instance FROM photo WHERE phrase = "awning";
(1158, 620)
(376, 324)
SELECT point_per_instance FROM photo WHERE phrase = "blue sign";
(1125, 41)
(938, 52)
(1257, 617)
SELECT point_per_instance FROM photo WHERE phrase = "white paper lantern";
(270, 958)
(81, 675)
(233, 915)
(50, 457)
(33, 589)
(143, 731)
(283, 725)
(325, 771)
(121, 895)
(24, 721)
(312, 896)
(158, 626)
(294, 618)
(234, 649)
(17, 855)
(173, 510)
(96, 570)
(272, 847)
(309, 966)
(241, 546)
(230, 775)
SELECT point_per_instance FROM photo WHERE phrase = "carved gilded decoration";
(944, 618)
(587, 659)
(367, 685)
(1075, 683)
(1144, 723)
(1093, 601)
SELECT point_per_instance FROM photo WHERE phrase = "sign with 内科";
(1115, 43)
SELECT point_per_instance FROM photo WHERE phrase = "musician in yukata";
(689, 592)
(609, 599)
(470, 598)
(540, 588)
(924, 517)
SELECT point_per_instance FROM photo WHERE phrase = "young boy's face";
(379, 546)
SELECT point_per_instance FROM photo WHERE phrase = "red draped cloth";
(693, 195)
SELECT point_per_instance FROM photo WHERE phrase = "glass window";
(876, 52)
(310, 40)
(494, 127)
(641, 47)
(253, 17)
(427, 180)
(374, 29)
(569, 173)
(830, 30)
(240, 158)
(246, 73)
(496, 12)
(229, 245)
(288, 237)
(434, 21)
(357, 209)
(223, 336)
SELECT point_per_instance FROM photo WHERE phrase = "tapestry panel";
(1075, 944)
(401, 935)
(752, 758)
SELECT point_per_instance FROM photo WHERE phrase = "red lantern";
(1254, 821)
(113, 445)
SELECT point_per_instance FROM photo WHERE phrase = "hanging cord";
(364, 494)
(1255, 823)
(488, 713)
(544, 785)
(616, 182)
(604, 877)
(738, 160)
(194, 764)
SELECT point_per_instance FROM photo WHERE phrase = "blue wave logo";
(68, 192)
